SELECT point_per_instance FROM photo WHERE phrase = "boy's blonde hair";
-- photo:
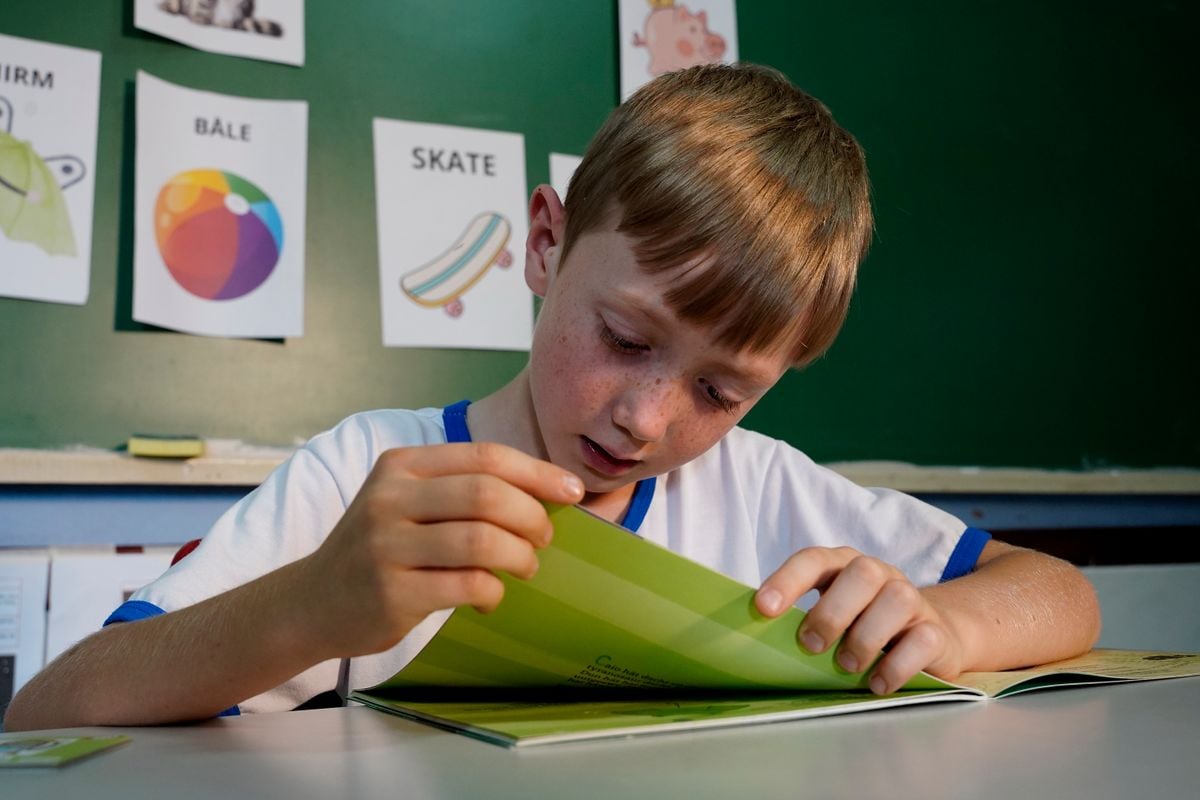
(736, 165)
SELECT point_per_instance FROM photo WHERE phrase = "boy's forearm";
(1019, 608)
(189, 664)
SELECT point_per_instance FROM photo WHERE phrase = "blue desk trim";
(42, 515)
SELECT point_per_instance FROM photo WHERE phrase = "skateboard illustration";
(442, 281)
(31, 202)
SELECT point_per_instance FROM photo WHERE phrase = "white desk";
(1130, 741)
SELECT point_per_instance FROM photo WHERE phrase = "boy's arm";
(1018, 608)
(427, 531)
(188, 664)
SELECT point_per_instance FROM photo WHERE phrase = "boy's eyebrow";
(757, 380)
(637, 304)
(661, 320)
(660, 317)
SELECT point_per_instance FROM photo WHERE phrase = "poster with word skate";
(49, 106)
(451, 214)
(660, 36)
(219, 212)
(269, 30)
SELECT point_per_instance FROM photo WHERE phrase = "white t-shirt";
(741, 508)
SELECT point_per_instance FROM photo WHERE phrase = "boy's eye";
(718, 399)
(620, 343)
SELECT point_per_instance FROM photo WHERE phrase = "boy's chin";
(596, 485)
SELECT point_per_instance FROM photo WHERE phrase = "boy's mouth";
(603, 461)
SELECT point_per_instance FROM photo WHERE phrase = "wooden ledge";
(229, 464)
(106, 467)
(1005, 480)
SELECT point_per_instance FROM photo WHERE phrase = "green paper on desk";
(617, 636)
(31, 750)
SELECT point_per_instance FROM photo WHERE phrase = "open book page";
(523, 723)
(1098, 666)
(616, 635)
(609, 611)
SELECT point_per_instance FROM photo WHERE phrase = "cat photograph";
(268, 30)
(232, 14)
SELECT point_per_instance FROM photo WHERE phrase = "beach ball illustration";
(219, 234)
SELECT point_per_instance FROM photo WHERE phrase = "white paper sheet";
(89, 583)
(452, 222)
(219, 222)
(562, 167)
(273, 30)
(49, 104)
(24, 576)
(663, 36)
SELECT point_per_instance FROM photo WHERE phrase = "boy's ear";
(543, 245)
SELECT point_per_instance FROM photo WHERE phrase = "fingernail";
(573, 486)
(770, 601)
(878, 685)
(812, 642)
(848, 662)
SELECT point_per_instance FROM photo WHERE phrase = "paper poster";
(219, 212)
(24, 578)
(452, 221)
(89, 583)
(269, 30)
(562, 167)
(49, 102)
(659, 36)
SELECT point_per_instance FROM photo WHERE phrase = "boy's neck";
(506, 416)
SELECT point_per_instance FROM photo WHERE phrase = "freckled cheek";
(578, 380)
(691, 441)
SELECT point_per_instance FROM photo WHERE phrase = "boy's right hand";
(425, 532)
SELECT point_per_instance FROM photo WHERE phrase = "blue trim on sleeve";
(455, 419)
(966, 554)
(643, 493)
(132, 611)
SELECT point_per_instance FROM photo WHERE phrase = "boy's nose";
(645, 411)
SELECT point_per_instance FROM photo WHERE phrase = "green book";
(616, 636)
(25, 750)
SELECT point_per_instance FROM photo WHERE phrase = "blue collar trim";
(643, 493)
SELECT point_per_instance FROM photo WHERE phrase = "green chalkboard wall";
(1030, 298)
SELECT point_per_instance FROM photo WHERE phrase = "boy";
(709, 243)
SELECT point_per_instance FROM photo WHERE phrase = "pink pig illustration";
(677, 38)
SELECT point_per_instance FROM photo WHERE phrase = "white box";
(88, 584)
(24, 576)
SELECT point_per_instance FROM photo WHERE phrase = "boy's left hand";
(873, 605)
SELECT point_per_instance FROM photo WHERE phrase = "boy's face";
(621, 388)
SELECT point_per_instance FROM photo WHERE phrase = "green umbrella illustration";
(31, 200)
